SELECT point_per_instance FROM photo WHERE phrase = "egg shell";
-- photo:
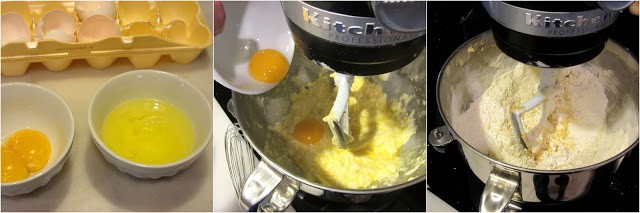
(59, 36)
(150, 38)
(96, 28)
(57, 25)
(86, 9)
(14, 29)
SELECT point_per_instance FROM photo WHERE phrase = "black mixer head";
(358, 38)
(553, 33)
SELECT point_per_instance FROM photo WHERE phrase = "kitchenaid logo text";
(568, 27)
(351, 30)
(368, 29)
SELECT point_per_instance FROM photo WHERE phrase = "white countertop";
(435, 204)
(225, 199)
(87, 181)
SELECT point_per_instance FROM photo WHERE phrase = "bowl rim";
(69, 141)
(194, 154)
(488, 35)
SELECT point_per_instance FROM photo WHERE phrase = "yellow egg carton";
(149, 30)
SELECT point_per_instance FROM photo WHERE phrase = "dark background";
(449, 25)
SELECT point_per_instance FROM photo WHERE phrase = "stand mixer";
(451, 175)
(550, 35)
(356, 38)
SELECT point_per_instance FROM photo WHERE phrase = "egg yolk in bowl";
(268, 66)
(24, 153)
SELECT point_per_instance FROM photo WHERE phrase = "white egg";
(96, 28)
(14, 29)
(56, 25)
(86, 9)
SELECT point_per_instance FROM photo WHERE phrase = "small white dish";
(31, 106)
(249, 27)
(151, 84)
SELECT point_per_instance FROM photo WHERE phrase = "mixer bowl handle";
(259, 185)
(499, 189)
(282, 196)
(265, 181)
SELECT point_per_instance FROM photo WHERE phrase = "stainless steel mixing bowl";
(255, 113)
(505, 182)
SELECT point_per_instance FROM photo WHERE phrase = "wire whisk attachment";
(240, 157)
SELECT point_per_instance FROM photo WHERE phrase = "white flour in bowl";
(570, 126)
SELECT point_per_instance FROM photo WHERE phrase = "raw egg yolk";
(268, 66)
(308, 131)
(33, 148)
(13, 168)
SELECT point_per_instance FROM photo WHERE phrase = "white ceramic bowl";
(151, 84)
(31, 106)
(249, 27)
